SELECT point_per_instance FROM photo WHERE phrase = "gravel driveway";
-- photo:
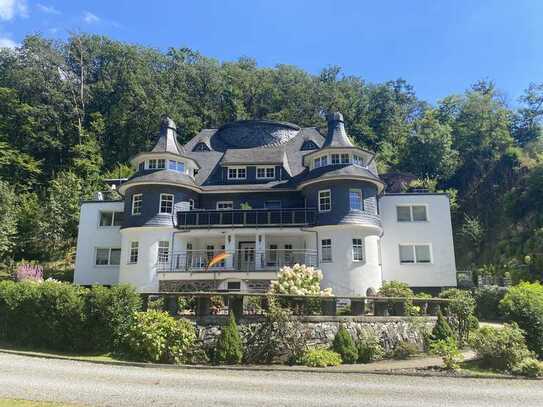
(93, 384)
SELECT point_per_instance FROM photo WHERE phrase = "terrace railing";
(245, 260)
(263, 217)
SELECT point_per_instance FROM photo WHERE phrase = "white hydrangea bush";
(299, 280)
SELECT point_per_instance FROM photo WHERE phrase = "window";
(321, 161)
(237, 172)
(225, 205)
(151, 164)
(326, 250)
(234, 286)
(210, 252)
(178, 166)
(358, 250)
(325, 200)
(355, 199)
(137, 200)
(163, 251)
(265, 172)
(141, 166)
(411, 213)
(415, 254)
(111, 218)
(108, 257)
(272, 204)
(357, 160)
(288, 254)
(134, 251)
(345, 159)
(166, 203)
(272, 257)
(191, 204)
(161, 164)
(308, 145)
(335, 158)
(201, 147)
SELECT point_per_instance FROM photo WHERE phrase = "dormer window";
(178, 166)
(141, 166)
(345, 159)
(201, 147)
(357, 160)
(321, 161)
(237, 173)
(265, 172)
(309, 145)
(156, 164)
(335, 159)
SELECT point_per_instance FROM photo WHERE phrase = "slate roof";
(336, 136)
(169, 176)
(167, 139)
(253, 156)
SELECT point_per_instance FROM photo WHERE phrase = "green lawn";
(29, 403)
(472, 367)
(107, 357)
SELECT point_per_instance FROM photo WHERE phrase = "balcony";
(247, 260)
(239, 218)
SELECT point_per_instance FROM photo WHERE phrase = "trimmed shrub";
(523, 304)
(320, 357)
(529, 367)
(460, 312)
(228, 349)
(448, 350)
(404, 350)
(500, 348)
(344, 345)
(442, 330)
(155, 336)
(369, 349)
(487, 301)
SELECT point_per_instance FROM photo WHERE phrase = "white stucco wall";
(437, 232)
(343, 275)
(91, 236)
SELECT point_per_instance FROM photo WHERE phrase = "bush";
(529, 367)
(404, 350)
(369, 349)
(460, 312)
(320, 357)
(487, 301)
(395, 289)
(155, 336)
(442, 330)
(523, 304)
(344, 345)
(500, 348)
(228, 349)
(299, 280)
(448, 350)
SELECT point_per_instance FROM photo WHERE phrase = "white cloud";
(89, 18)
(47, 9)
(7, 43)
(12, 8)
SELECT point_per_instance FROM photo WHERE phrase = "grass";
(103, 357)
(30, 403)
(473, 367)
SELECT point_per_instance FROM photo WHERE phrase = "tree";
(527, 125)
(8, 220)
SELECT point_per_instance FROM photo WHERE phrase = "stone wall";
(321, 330)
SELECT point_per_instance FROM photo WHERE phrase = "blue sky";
(440, 47)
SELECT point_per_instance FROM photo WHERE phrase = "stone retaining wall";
(321, 330)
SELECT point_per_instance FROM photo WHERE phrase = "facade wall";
(91, 236)
(344, 275)
(255, 199)
(436, 231)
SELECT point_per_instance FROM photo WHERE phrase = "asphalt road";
(93, 384)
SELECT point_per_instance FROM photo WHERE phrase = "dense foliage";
(448, 350)
(487, 301)
(369, 349)
(344, 345)
(155, 336)
(63, 317)
(523, 304)
(74, 112)
(460, 312)
(320, 357)
(229, 349)
(442, 330)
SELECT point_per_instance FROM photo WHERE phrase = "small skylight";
(309, 145)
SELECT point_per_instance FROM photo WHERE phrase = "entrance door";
(246, 256)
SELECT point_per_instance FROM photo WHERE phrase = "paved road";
(86, 383)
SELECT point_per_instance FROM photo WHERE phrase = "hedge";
(65, 317)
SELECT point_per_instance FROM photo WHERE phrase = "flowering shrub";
(32, 272)
(299, 280)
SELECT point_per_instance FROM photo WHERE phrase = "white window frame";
(162, 196)
(358, 160)
(236, 171)
(139, 199)
(163, 252)
(345, 158)
(152, 164)
(192, 205)
(335, 158)
(357, 247)
(328, 248)
(266, 169)
(113, 217)
(411, 217)
(415, 260)
(222, 203)
(161, 164)
(321, 192)
(109, 249)
(359, 192)
(134, 252)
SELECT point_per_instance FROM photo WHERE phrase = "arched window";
(201, 147)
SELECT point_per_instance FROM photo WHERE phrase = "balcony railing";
(247, 260)
(207, 218)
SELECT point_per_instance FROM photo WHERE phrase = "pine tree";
(344, 345)
(229, 349)
(442, 330)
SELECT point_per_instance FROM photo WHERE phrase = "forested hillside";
(72, 113)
